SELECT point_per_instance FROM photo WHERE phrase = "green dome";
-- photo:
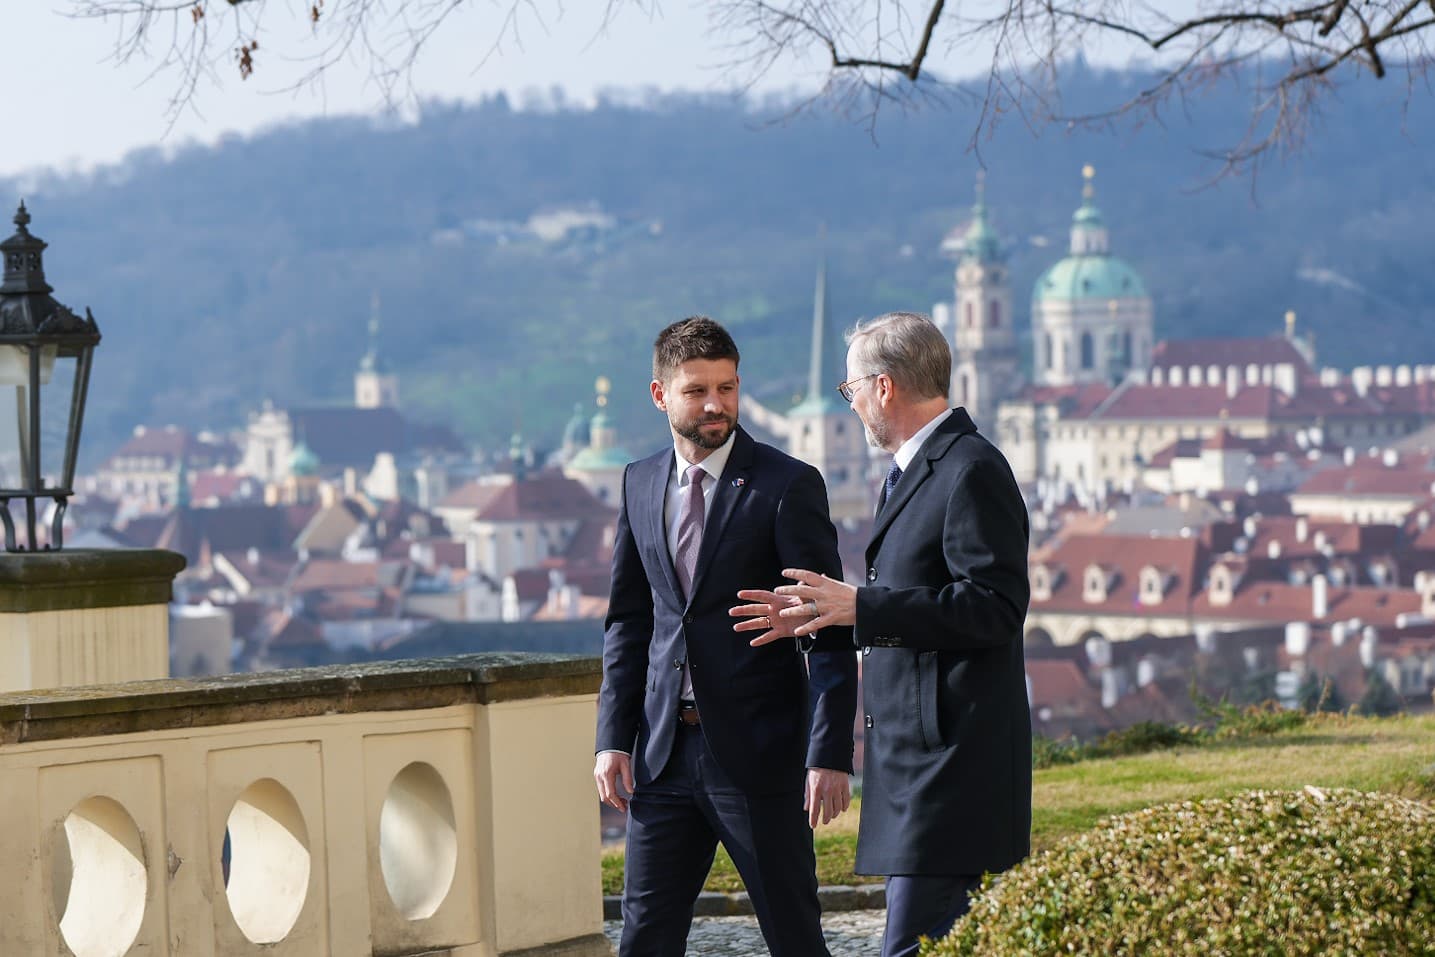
(303, 461)
(1089, 277)
(595, 460)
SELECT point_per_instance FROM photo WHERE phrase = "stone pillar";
(87, 616)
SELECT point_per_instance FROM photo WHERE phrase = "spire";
(1088, 232)
(819, 317)
(981, 240)
(371, 361)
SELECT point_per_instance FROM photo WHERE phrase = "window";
(1088, 351)
(1048, 350)
(994, 314)
(968, 318)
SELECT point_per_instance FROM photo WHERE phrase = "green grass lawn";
(1394, 755)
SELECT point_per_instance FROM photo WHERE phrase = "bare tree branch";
(877, 52)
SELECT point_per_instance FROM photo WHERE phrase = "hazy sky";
(78, 108)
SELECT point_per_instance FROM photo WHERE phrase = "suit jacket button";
(867, 719)
(872, 574)
(867, 650)
(687, 619)
(678, 663)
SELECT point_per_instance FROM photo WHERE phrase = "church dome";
(1089, 277)
(302, 461)
(1089, 271)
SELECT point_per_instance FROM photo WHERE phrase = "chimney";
(1369, 643)
(1360, 378)
(1285, 378)
(1112, 687)
(1302, 528)
(1337, 634)
(1319, 597)
(1297, 638)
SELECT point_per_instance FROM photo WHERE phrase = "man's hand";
(821, 602)
(762, 612)
(610, 767)
(828, 794)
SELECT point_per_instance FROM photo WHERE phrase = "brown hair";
(696, 337)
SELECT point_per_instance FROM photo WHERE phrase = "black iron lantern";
(45, 353)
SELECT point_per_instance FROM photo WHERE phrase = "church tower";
(985, 360)
(1092, 319)
(375, 386)
(823, 432)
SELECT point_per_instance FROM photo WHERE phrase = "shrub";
(1272, 873)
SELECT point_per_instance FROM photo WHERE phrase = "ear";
(886, 388)
(659, 400)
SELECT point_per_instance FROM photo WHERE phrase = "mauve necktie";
(894, 475)
(690, 530)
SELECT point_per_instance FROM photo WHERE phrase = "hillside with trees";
(521, 250)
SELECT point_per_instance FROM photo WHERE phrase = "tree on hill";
(1295, 53)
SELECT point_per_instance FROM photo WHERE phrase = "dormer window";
(1154, 584)
(1224, 582)
(1098, 583)
(1045, 579)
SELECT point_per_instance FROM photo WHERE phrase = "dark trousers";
(924, 906)
(674, 825)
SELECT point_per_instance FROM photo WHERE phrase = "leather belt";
(688, 713)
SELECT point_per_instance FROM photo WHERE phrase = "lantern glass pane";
(56, 394)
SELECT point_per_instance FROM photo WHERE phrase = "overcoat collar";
(938, 443)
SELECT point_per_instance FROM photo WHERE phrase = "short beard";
(692, 431)
(877, 434)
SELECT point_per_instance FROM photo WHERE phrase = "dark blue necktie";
(894, 475)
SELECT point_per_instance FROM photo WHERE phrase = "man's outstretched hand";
(813, 602)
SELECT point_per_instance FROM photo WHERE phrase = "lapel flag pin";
(739, 482)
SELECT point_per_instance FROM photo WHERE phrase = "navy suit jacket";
(766, 717)
(946, 783)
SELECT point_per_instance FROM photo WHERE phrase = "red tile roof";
(1270, 350)
(1411, 477)
(1127, 555)
(542, 497)
(1280, 602)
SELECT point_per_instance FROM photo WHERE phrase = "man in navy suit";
(702, 737)
(946, 788)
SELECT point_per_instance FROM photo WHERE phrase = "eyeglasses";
(846, 390)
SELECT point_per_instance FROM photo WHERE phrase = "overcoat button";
(868, 720)
(677, 663)
(872, 574)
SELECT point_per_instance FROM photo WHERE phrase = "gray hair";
(909, 348)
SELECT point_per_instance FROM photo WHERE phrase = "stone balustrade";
(440, 806)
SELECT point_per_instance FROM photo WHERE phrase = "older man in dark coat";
(947, 780)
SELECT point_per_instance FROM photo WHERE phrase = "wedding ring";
(766, 622)
(812, 606)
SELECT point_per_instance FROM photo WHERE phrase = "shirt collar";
(713, 464)
(908, 450)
